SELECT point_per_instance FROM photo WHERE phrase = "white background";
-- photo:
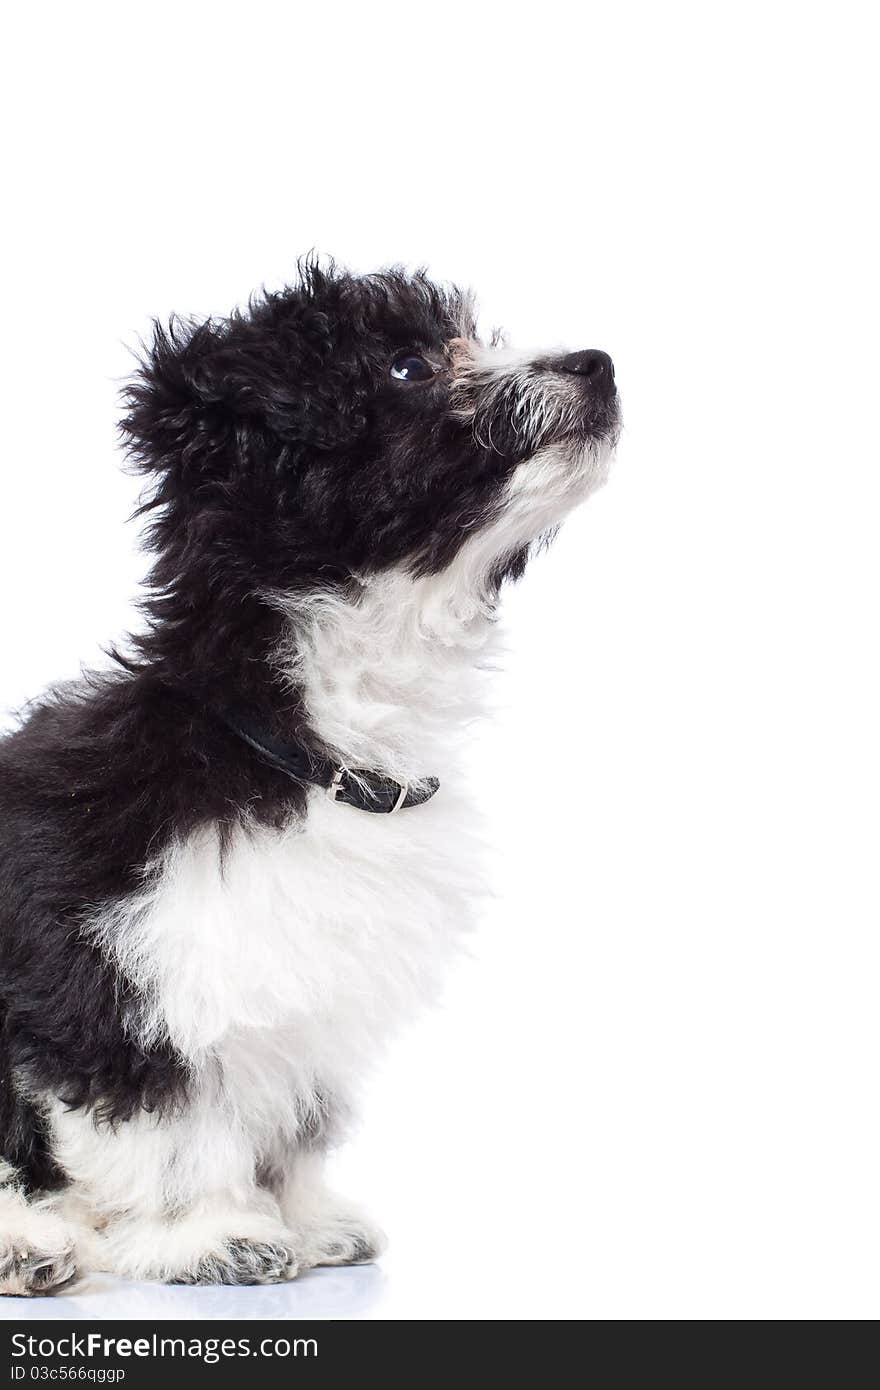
(653, 1093)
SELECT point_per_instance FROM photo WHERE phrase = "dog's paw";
(241, 1261)
(340, 1240)
(27, 1270)
(205, 1246)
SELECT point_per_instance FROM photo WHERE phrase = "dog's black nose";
(596, 366)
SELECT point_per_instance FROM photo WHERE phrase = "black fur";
(279, 454)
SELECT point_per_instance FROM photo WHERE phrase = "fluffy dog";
(237, 862)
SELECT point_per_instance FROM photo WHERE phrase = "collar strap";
(366, 791)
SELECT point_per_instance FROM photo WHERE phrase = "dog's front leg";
(175, 1197)
(327, 1229)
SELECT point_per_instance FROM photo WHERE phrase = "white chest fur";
(329, 933)
(290, 959)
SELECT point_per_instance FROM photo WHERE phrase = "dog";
(238, 861)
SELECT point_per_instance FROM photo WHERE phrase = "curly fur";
(198, 955)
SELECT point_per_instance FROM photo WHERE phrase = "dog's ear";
(206, 395)
(171, 425)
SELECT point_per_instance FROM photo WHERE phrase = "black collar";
(367, 791)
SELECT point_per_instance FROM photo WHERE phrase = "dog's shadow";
(321, 1293)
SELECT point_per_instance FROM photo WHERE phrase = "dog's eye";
(409, 367)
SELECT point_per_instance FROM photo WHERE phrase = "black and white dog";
(227, 871)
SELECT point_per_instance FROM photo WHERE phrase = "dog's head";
(347, 426)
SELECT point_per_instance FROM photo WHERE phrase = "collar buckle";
(404, 792)
(337, 788)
